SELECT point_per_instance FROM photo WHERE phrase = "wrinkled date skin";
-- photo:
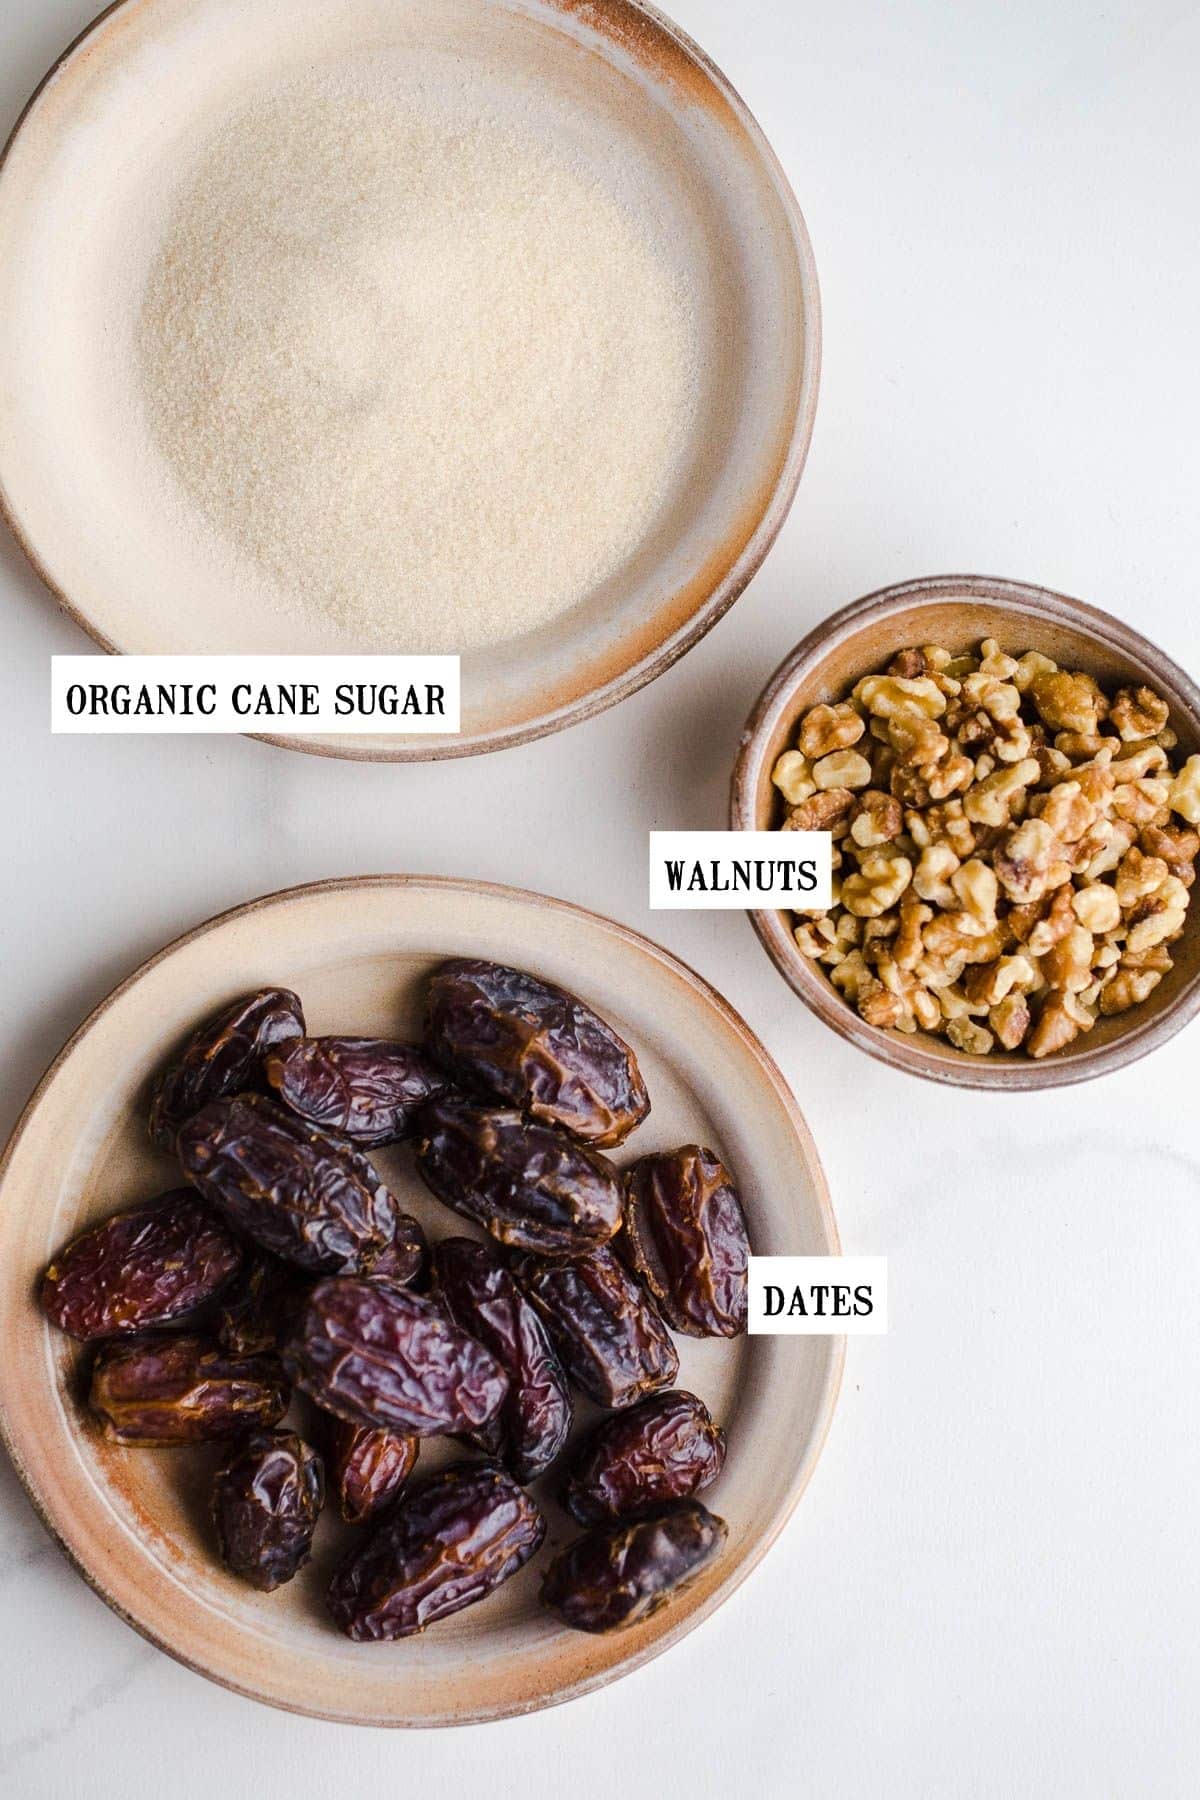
(537, 1047)
(183, 1390)
(604, 1326)
(447, 1544)
(375, 1354)
(223, 1057)
(143, 1267)
(266, 1500)
(685, 1235)
(527, 1184)
(298, 1192)
(665, 1448)
(257, 1310)
(368, 1468)
(368, 1089)
(620, 1574)
(479, 1292)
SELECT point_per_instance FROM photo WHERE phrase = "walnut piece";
(821, 811)
(1184, 797)
(1059, 1024)
(842, 769)
(878, 819)
(1010, 1021)
(1029, 861)
(1066, 702)
(1128, 987)
(964, 1034)
(828, 728)
(1137, 876)
(1138, 712)
(888, 696)
(877, 1006)
(793, 777)
(1178, 849)
(991, 801)
(1097, 908)
(878, 885)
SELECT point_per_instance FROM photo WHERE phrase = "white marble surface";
(991, 1587)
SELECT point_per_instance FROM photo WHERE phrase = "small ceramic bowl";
(958, 611)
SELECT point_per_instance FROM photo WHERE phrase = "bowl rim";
(667, 650)
(830, 1384)
(952, 1068)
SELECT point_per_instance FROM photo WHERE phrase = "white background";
(992, 1585)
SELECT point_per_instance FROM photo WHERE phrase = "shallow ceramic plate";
(84, 193)
(134, 1522)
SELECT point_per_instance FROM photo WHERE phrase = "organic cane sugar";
(418, 356)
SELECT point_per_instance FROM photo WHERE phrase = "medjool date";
(527, 1184)
(479, 1292)
(368, 1468)
(161, 1391)
(603, 1325)
(446, 1545)
(537, 1047)
(147, 1266)
(685, 1235)
(620, 1574)
(266, 1500)
(223, 1057)
(256, 1311)
(298, 1192)
(665, 1448)
(374, 1354)
(368, 1089)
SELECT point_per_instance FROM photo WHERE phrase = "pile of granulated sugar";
(417, 362)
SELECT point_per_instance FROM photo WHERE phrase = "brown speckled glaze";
(135, 1523)
(625, 34)
(958, 611)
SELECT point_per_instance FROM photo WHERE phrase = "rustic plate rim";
(830, 1386)
(1002, 1076)
(728, 589)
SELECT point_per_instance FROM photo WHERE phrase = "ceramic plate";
(86, 190)
(135, 1522)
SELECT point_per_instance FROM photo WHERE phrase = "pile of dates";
(284, 1265)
